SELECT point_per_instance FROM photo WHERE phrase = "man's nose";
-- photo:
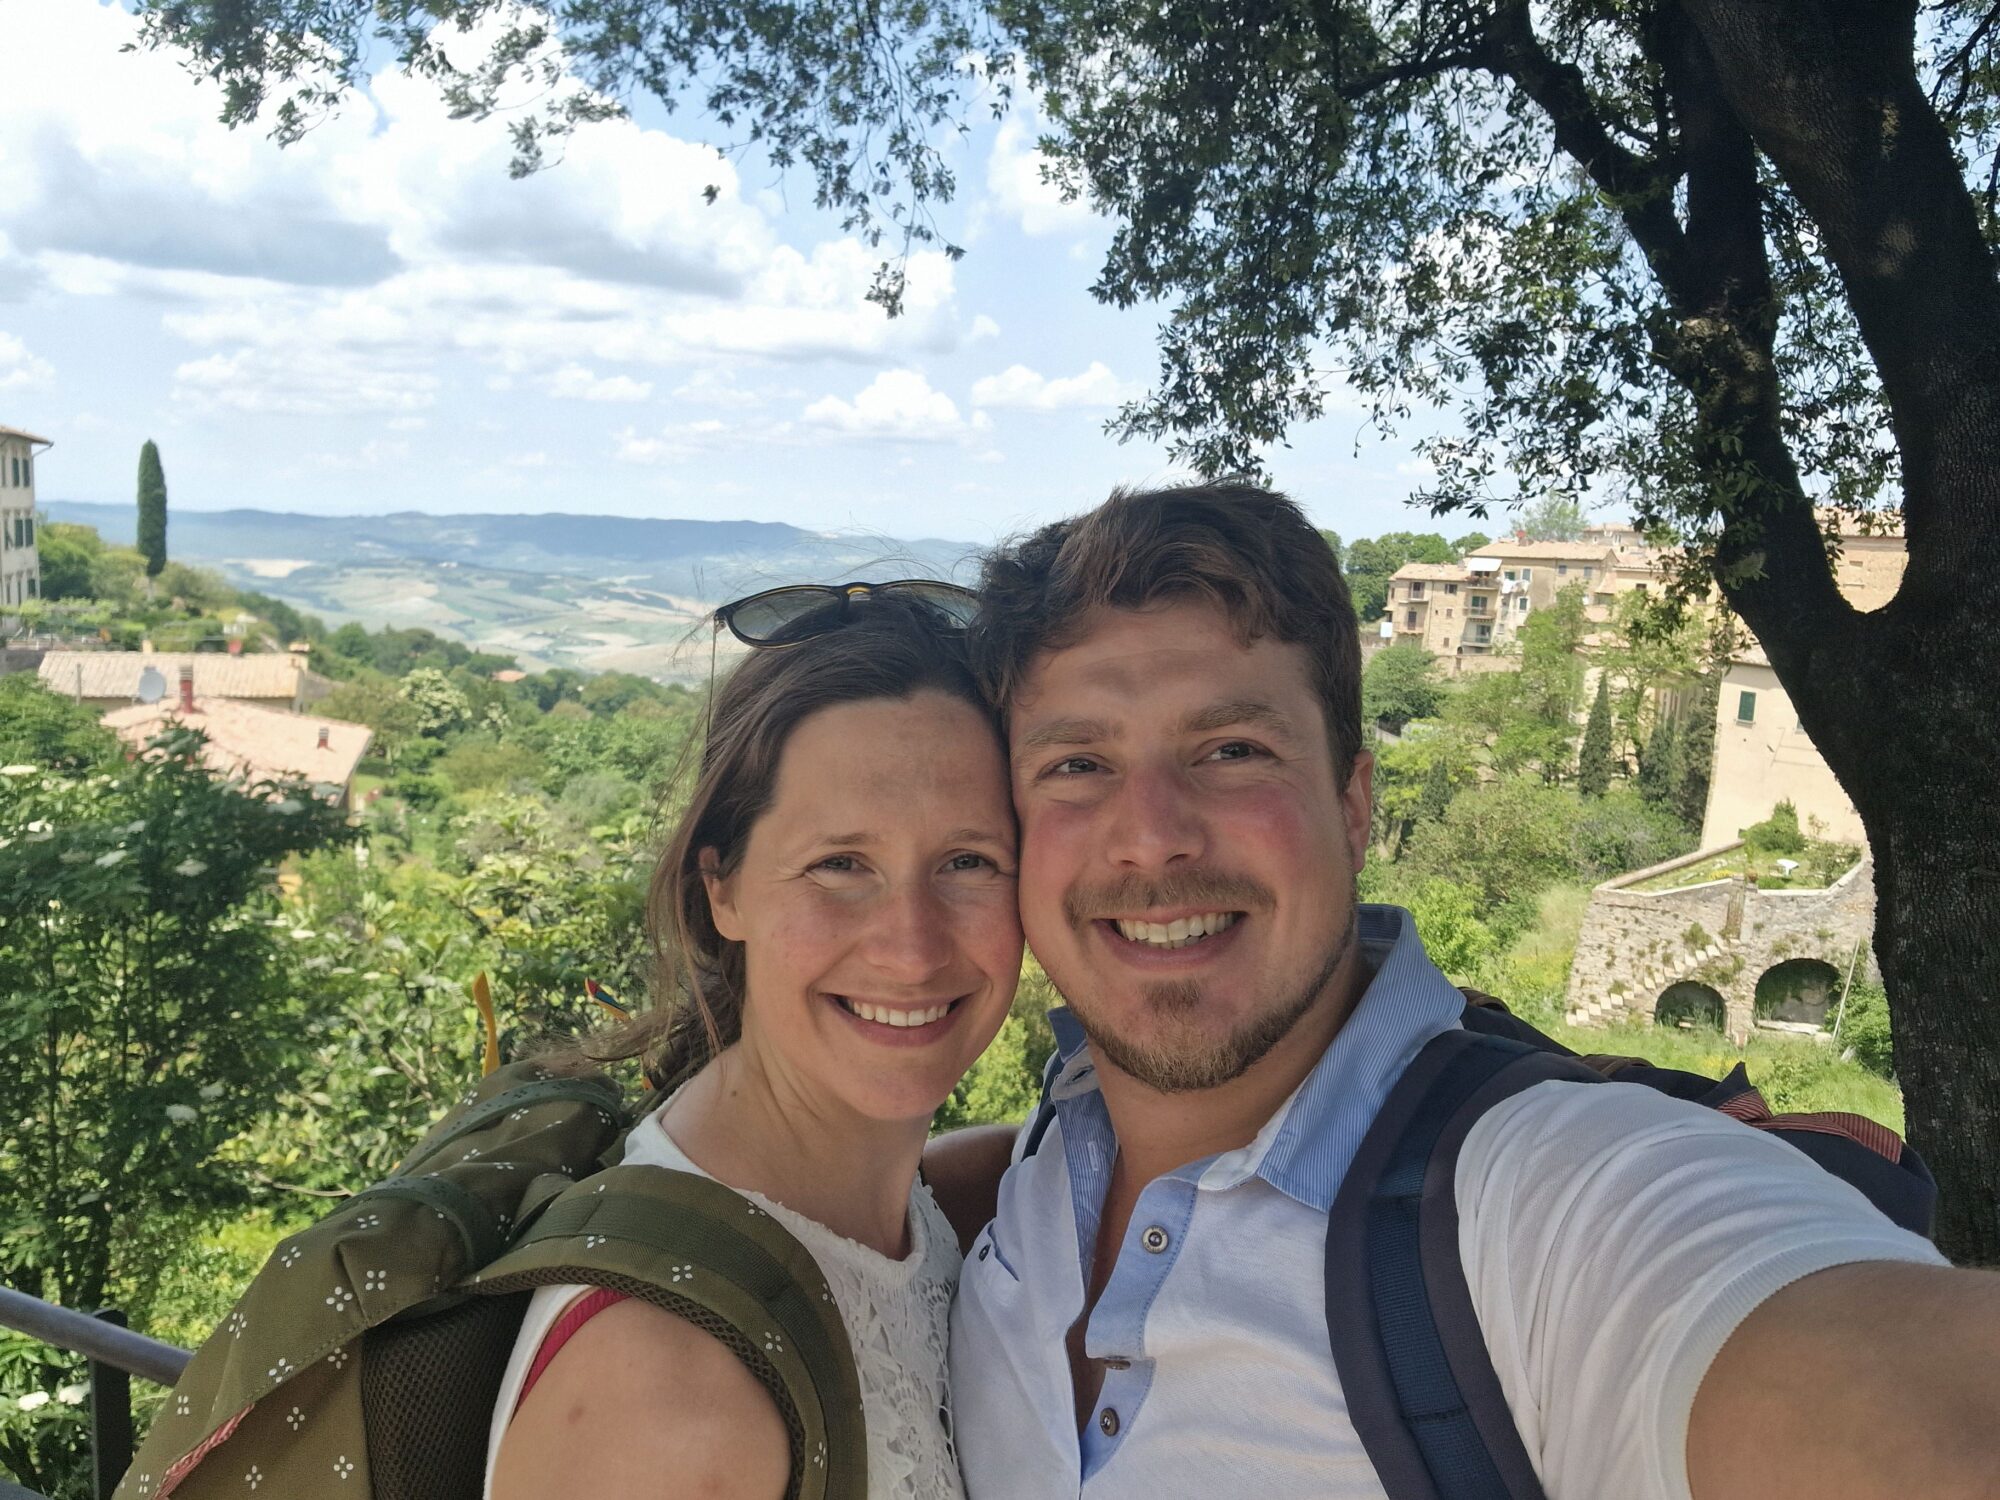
(1154, 823)
(909, 937)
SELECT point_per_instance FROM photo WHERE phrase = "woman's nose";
(909, 934)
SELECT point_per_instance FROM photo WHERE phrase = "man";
(1674, 1304)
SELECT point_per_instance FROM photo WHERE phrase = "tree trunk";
(1937, 893)
(1899, 701)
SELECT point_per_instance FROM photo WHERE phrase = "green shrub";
(1457, 941)
(1622, 831)
(1005, 1084)
(1865, 1029)
(1777, 834)
(480, 762)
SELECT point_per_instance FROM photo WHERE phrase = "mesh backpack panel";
(427, 1391)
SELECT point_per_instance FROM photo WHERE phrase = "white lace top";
(897, 1315)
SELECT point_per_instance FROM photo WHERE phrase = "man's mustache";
(1211, 890)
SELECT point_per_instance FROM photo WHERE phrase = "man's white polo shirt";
(1613, 1238)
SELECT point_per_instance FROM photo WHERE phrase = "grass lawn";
(1793, 1072)
(1819, 865)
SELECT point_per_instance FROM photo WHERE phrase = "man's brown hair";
(1241, 546)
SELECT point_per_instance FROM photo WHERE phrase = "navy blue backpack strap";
(1420, 1386)
(1045, 1111)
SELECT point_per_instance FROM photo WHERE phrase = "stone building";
(1726, 952)
(20, 562)
(113, 679)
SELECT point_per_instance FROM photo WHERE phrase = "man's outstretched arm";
(1876, 1381)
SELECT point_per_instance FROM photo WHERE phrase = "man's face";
(1187, 859)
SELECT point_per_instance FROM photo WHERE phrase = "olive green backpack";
(365, 1359)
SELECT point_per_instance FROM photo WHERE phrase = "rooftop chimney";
(325, 738)
(187, 687)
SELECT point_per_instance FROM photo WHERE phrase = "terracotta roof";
(16, 432)
(509, 674)
(115, 674)
(1441, 572)
(1553, 551)
(255, 743)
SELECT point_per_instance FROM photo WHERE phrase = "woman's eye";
(838, 864)
(970, 861)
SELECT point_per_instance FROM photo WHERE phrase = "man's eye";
(1236, 750)
(1074, 765)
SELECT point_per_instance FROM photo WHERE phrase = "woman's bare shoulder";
(645, 1402)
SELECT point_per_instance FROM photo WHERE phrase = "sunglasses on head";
(803, 611)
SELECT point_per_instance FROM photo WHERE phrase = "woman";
(838, 910)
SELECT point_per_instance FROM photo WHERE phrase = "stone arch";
(1800, 991)
(1690, 1005)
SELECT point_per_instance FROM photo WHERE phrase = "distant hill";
(587, 591)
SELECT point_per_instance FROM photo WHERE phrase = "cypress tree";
(1661, 770)
(1436, 795)
(152, 539)
(1698, 751)
(1593, 767)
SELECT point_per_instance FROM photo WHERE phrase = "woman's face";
(875, 904)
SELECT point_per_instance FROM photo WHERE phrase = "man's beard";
(1183, 1060)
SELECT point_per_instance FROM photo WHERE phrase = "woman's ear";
(721, 896)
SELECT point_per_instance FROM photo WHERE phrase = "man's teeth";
(883, 1015)
(1178, 933)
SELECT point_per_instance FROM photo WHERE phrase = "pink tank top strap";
(564, 1329)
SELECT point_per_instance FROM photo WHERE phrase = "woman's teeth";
(883, 1015)
(1178, 933)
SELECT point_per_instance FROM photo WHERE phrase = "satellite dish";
(152, 685)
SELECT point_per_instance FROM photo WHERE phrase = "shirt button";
(1107, 1422)
(1155, 1239)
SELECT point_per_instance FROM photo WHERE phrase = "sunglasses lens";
(785, 615)
(957, 606)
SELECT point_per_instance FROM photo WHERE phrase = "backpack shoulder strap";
(707, 1254)
(1045, 1108)
(1419, 1383)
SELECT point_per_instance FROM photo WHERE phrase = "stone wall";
(1725, 934)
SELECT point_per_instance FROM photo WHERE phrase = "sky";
(379, 318)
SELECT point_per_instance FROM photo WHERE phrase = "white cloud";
(535, 460)
(898, 405)
(301, 381)
(391, 238)
(19, 368)
(1019, 386)
(671, 444)
(575, 383)
(709, 388)
(374, 454)
(983, 327)
(1018, 190)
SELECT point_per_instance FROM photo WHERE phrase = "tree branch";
(1829, 92)
(1639, 187)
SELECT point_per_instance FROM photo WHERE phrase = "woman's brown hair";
(886, 648)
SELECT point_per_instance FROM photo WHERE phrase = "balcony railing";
(116, 1354)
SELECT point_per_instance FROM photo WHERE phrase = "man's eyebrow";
(1247, 711)
(1062, 732)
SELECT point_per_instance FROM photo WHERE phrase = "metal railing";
(116, 1354)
